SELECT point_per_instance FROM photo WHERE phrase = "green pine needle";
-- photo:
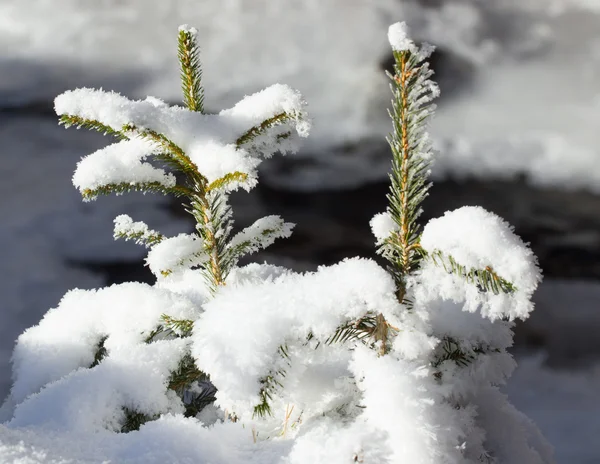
(69, 120)
(134, 420)
(260, 129)
(174, 155)
(101, 352)
(227, 179)
(147, 238)
(485, 279)
(188, 53)
(119, 189)
(411, 150)
(362, 329)
(181, 327)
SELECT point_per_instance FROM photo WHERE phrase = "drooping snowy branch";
(259, 235)
(138, 231)
(488, 249)
(239, 334)
(269, 121)
(117, 164)
(175, 254)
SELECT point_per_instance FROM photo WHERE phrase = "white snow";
(41, 38)
(564, 403)
(277, 312)
(382, 225)
(175, 254)
(208, 140)
(261, 234)
(399, 39)
(188, 29)
(126, 227)
(46, 232)
(120, 163)
(478, 239)
(46, 352)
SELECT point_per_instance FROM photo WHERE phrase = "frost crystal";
(176, 254)
(399, 40)
(188, 29)
(382, 225)
(261, 234)
(122, 162)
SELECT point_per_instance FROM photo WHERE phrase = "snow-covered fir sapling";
(212, 155)
(259, 364)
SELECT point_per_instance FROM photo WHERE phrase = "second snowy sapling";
(351, 363)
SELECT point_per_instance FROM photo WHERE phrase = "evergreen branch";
(119, 189)
(411, 153)
(227, 179)
(452, 351)
(185, 374)
(255, 131)
(141, 238)
(188, 53)
(269, 387)
(258, 236)
(174, 155)
(160, 329)
(101, 352)
(180, 327)
(174, 164)
(487, 280)
(69, 120)
(196, 401)
(209, 209)
(361, 329)
(134, 420)
(189, 261)
(213, 224)
(369, 327)
(139, 232)
(182, 380)
(380, 333)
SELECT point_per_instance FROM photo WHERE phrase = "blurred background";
(517, 129)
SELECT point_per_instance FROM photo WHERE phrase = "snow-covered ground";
(509, 119)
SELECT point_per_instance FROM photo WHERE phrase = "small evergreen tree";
(352, 363)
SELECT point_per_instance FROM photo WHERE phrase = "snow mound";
(479, 240)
